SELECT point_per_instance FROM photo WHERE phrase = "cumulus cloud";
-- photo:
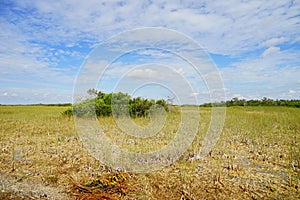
(290, 94)
(269, 75)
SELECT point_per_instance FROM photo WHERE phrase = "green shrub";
(68, 112)
(114, 103)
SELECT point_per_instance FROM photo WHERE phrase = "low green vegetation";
(115, 103)
(263, 102)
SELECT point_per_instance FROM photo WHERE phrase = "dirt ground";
(13, 187)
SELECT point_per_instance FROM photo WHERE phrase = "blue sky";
(255, 46)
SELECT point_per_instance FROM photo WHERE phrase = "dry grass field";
(256, 157)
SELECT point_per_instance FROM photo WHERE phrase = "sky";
(49, 48)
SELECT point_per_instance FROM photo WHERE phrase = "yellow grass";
(256, 157)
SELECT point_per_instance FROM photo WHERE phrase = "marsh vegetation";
(256, 157)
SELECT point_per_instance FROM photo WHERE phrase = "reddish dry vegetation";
(111, 187)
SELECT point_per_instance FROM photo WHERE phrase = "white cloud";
(237, 25)
(239, 96)
(193, 94)
(274, 41)
(262, 76)
(270, 50)
(290, 94)
(19, 95)
(130, 78)
(25, 63)
(180, 71)
(144, 73)
(38, 38)
(297, 39)
(292, 91)
(153, 53)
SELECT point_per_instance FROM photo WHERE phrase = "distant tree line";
(40, 104)
(262, 102)
(114, 103)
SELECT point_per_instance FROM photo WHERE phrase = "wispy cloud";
(272, 74)
(44, 43)
(274, 41)
(271, 50)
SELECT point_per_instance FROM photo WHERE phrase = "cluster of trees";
(115, 103)
(262, 102)
(103, 104)
(40, 104)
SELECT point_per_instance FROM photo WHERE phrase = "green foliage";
(263, 102)
(42, 104)
(85, 108)
(68, 112)
(118, 104)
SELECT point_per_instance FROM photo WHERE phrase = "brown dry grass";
(111, 186)
(257, 157)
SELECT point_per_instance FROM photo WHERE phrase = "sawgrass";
(256, 157)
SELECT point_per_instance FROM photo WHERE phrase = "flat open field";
(256, 157)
